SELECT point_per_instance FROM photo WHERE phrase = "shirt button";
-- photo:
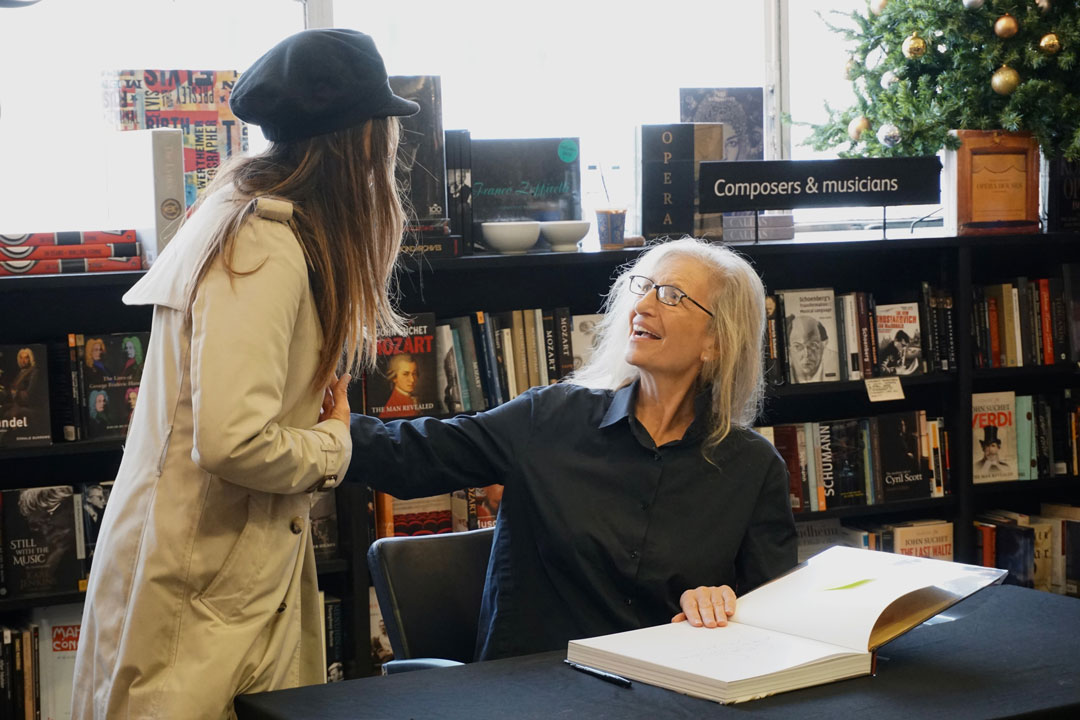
(281, 608)
(656, 456)
(297, 525)
(644, 506)
(633, 554)
(629, 601)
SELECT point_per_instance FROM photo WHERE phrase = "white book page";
(838, 595)
(727, 654)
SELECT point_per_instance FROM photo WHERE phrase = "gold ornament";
(878, 6)
(1049, 43)
(1005, 80)
(857, 127)
(913, 47)
(849, 68)
(1006, 26)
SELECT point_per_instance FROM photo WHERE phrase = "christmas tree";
(921, 68)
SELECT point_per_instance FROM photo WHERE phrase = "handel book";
(24, 396)
(859, 600)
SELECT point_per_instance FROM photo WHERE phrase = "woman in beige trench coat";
(203, 584)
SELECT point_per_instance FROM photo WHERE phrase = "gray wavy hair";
(737, 301)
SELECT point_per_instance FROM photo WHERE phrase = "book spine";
(539, 354)
(1023, 319)
(1058, 320)
(871, 320)
(865, 339)
(551, 357)
(851, 337)
(926, 336)
(950, 330)
(563, 344)
(64, 252)
(997, 356)
(875, 452)
(14, 268)
(485, 345)
(1045, 322)
(463, 370)
(667, 180)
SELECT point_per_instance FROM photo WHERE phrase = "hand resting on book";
(708, 606)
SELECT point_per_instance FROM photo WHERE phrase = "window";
(568, 68)
(52, 123)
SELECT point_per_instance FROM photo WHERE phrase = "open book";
(816, 624)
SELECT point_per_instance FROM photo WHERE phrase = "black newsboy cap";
(316, 82)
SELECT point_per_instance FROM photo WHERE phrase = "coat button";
(297, 525)
(281, 608)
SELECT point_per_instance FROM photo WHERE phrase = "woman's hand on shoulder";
(706, 606)
(335, 404)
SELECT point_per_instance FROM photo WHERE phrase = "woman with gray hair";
(636, 493)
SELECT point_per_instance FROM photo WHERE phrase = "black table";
(1009, 652)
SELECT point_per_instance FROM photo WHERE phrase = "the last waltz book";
(403, 383)
(42, 535)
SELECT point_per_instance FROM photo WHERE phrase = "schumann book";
(24, 396)
(110, 370)
(859, 600)
(43, 541)
(403, 384)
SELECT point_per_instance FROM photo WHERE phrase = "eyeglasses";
(667, 294)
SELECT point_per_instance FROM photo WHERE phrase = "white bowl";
(511, 238)
(564, 234)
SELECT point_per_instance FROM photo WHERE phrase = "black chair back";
(429, 589)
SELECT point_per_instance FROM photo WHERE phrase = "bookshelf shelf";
(74, 281)
(811, 389)
(1061, 372)
(81, 447)
(945, 504)
(31, 601)
(1064, 482)
(330, 566)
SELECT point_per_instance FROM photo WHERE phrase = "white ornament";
(888, 135)
(887, 79)
(973, 4)
(1044, 5)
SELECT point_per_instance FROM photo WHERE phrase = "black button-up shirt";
(599, 530)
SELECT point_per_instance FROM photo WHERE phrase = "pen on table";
(606, 676)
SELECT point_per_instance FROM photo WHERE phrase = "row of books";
(863, 461)
(81, 388)
(70, 252)
(471, 363)
(49, 535)
(1027, 322)
(930, 538)
(1024, 437)
(37, 662)
(819, 335)
(37, 658)
(1040, 551)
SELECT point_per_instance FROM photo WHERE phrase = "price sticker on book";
(884, 388)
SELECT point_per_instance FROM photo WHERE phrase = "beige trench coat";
(203, 583)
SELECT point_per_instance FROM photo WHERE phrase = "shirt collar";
(622, 407)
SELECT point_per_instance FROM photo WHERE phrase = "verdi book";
(859, 600)
(993, 441)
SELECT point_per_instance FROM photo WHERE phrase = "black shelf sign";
(786, 184)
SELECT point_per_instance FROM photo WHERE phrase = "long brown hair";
(348, 218)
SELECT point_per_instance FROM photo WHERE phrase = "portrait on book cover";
(24, 395)
(811, 350)
(40, 533)
(741, 109)
(407, 382)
